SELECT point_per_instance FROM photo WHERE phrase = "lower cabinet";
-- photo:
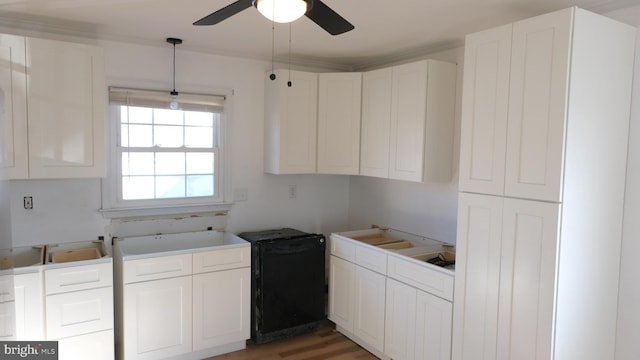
(357, 302)
(157, 318)
(418, 324)
(184, 306)
(78, 306)
(341, 280)
(369, 302)
(29, 306)
(403, 310)
(222, 300)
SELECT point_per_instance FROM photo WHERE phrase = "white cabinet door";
(540, 59)
(528, 279)
(221, 308)
(14, 150)
(29, 306)
(408, 110)
(341, 285)
(339, 98)
(7, 320)
(439, 121)
(477, 285)
(66, 109)
(376, 122)
(369, 307)
(400, 322)
(485, 102)
(505, 278)
(158, 318)
(433, 327)
(291, 123)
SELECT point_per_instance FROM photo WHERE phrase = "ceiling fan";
(315, 10)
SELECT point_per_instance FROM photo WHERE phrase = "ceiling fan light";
(282, 11)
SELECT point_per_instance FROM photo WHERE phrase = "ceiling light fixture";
(283, 11)
(173, 105)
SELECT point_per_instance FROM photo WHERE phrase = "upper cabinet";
(407, 121)
(396, 122)
(13, 117)
(339, 97)
(290, 122)
(485, 103)
(63, 85)
(376, 121)
(525, 88)
(66, 95)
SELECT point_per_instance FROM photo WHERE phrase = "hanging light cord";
(174, 41)
(273, 42)
(174, 92)
(289, 82)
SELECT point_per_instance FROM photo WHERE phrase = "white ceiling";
(383, 29)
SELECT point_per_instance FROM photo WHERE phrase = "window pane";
(170, 187)
(200, 163)
(168, 117)
(196, 118)
(170, 163)
(200, 185)
(140, 136)
(168, 136)
(137, 163)
(139, 115)
(124, 114)
(199, 137)
(124, 135)
(137, 187)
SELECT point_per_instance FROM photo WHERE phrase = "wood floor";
(324, 343)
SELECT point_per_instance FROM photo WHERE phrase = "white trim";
(118, 213)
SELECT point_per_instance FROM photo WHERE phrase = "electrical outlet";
(293, 192)
(28, 202)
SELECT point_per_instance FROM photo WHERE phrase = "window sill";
(163, 211)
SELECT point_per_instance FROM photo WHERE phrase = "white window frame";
(115, 207)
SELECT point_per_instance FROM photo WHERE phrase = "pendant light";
(282, 11)
(173, 105)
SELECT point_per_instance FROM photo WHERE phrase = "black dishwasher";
(288, 283)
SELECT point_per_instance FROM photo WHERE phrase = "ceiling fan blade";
(328, 19)
(224, 13)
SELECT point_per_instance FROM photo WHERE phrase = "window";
(163, 156)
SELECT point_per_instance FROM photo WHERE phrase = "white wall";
(67, 210)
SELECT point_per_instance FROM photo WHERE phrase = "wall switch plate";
(28, 202)
(293, 192)
(241, 194)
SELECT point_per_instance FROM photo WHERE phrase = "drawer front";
(216, 260)
(79, 312)
(76, 278)
(371, 259)
(343, 248)
(155, 268)
(421, 277)
(94, 346)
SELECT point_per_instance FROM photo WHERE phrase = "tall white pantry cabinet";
(545, 119)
